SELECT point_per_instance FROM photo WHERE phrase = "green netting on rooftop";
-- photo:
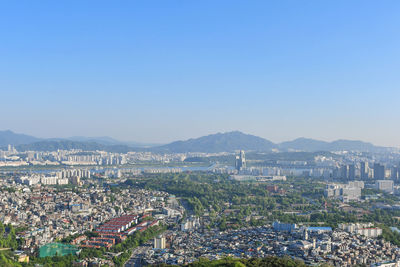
(57, 249)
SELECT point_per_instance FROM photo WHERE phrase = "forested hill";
(220, 142)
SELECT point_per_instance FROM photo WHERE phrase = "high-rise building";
(395, 173)
(352, 172)
(364, 170)
(398, 172)
(379, 171)
(11, 149)
(240, 161)
(75, 180)
(344, 172)
(159, 242)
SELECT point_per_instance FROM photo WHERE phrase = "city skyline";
(165, 71)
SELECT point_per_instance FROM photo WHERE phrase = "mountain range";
(220, 142)
(232, 141)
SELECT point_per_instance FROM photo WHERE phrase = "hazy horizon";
(184, 139)
(162, 71)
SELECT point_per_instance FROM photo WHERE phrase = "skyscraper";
(398, 171)
(240, 161)
(344, 172)
(364, 170)
(352, 172)
(393, 173)
(379, 171)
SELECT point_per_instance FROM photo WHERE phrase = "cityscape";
(139, 208)
(173, 133)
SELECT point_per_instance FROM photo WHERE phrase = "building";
(240, 161)
(21, 256)
(384, 185)
(365, 229)
(41, 179)
(75, 180)
(159, 242)
(284, 227)
(11, 149)
(347, 172)
(364, 170)
(62, 181)
(190, 223)
(379, 171)
(68, 173)
(352, 172)
(369, 232)
(345, 192)
(50, 180)
(28, 180)
(395, 173)
(319, 229)
(118, 225)
(359, 184)
(300, 246)
(344, 172)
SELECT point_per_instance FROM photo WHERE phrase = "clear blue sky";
(157, 71)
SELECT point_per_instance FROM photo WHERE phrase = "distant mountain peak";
(312, 145)
(8, 137)
(220, 142)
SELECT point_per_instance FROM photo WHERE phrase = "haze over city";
(161, 71)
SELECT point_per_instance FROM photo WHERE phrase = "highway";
(137, 256)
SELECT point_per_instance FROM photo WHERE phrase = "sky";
(166, 70)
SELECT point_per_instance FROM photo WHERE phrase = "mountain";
(354, 146)
(303, 144)
(105, 140)
(311, 145)
(231, 141)
(54, 145)
(24, 142)
(10, 138)
(220, 142)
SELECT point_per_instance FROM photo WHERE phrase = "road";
(137, 256)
